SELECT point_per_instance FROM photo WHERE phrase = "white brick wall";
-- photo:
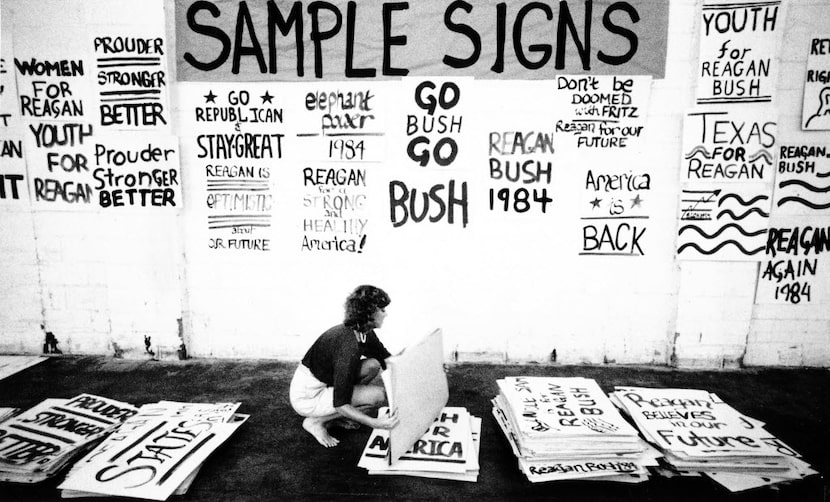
(102, 281)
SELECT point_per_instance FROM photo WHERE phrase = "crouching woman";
(338, 381)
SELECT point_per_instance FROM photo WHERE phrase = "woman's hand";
(387, 422)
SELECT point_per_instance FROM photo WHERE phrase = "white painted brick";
(718, 279)
(96, 278)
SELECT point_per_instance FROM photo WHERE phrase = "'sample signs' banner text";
(218, 40)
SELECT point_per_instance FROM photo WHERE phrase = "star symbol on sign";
(210, 97)
(266, 98)
(595, 203)
(636, 201)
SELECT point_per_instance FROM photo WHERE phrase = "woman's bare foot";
(317, 428)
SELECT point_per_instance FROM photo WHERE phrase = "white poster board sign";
(739, 44)
(416, 386)
(816, 108)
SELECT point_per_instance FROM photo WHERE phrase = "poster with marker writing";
(564, 407)
(60, 158)
(797, 254)
(615, 208)
(53, 67)
(521, 167)
(726, 179)
(56, 104)
(431, 157)
(160, 457)
(138, 171)
(796, 261)
(447, 446)
(802, 181)
(235, 148)
(341, 134)
(39, 441)
(14, 190)
(693, 423)
(815, 115)
(601, 113)
(739, 46)
(729, 144)
(131, 77)
(342, 122)
(725, 222)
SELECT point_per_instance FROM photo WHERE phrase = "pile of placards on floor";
(154, 454)
(448, 450)
(563, 428)
(698, 433)
(39, 442)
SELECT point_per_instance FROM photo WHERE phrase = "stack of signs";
(39, 442)
(698, 433)
(156, 453)
(567, 428)
(448, 450)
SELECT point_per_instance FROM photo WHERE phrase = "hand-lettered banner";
(221, 40)
(739, 43)
(816, 108)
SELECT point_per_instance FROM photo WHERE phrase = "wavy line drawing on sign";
(723, 224)
(802, 187)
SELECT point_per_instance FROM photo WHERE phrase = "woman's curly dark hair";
(361, 306)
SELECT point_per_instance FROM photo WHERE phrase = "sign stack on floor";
(156, 453)
(567, 428)
(36, 444)
(448, 450)
(700, 434)
(416, 387)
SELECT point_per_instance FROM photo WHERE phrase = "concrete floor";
(272, 458)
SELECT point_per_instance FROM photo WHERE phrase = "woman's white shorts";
(310, 397)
